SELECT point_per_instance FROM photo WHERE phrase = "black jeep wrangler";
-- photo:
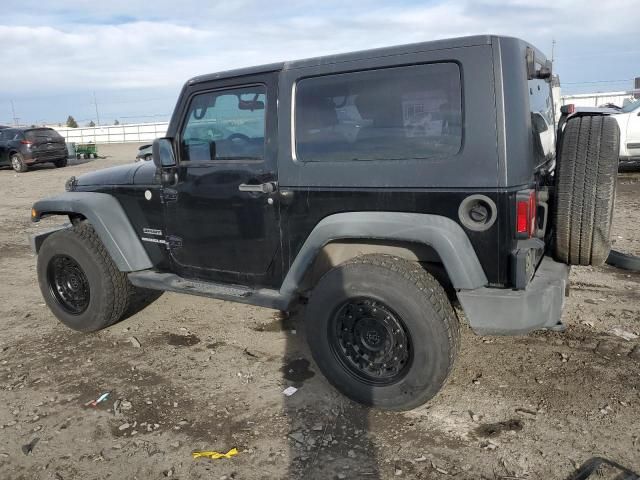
(377, 187)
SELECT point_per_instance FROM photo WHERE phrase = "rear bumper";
(42, 157)
(494, 311)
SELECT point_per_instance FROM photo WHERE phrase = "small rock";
(124, 426)
(351, 454)
(526, 411)
(341, 476)
(591, 301)
(168, 473)
(174, 444)
(135, 342)
(635, 353)
(421, 458)
(125, 405)
(397, 472)
(297, 436)
(318, 427)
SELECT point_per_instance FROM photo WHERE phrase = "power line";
(95, 102)
(599, 81)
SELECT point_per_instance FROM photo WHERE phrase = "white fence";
(136, 132)
(598, 99)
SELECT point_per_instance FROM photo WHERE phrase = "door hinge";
(173, 241)
(168, 195)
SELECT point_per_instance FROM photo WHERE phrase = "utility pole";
(95, 102)
(13, 112)
(553, 50)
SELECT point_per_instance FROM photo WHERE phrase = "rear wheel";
(585, 189)
(61, 162)
(81, 284)
(382, 331)
(17, 162)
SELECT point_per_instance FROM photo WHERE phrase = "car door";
(220, 205)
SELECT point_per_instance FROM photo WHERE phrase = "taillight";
(26, 142)
(526, 206)
(568, 109)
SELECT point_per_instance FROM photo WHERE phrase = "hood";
(120, 175)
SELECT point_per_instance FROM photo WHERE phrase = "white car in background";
(629, 122)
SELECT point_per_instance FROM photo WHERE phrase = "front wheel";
(82, 285)
(382, 331)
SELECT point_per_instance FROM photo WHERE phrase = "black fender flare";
(106, 216)
(444, 235)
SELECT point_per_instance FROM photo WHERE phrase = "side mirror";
(163, 153)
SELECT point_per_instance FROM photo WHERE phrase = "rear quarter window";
(542, 119)
(412, 112)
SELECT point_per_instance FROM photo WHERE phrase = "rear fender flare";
(444, 235)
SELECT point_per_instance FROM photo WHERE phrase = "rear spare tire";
(585, 189)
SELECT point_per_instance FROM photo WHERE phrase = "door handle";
(268, 187)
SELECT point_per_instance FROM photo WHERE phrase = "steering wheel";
(239, 136)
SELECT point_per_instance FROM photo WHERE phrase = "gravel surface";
(189, 373)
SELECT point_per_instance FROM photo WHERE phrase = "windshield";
(630, 107)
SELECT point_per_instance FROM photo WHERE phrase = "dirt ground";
(209, 375)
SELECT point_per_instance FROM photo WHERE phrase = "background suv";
(22, 147)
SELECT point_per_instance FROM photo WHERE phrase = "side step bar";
(234, 293)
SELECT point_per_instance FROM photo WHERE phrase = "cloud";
(80, 45)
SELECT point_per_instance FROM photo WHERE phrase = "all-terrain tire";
(111, 297)
(60, 163)
(419, 301)
(586, 179)
(17, 163)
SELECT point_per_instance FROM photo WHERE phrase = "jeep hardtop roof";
(469, 41)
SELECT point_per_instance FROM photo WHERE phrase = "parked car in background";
(144, 153)
(629, 122)
(22, 147)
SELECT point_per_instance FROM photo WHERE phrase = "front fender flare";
(107, 217)
(444, 235)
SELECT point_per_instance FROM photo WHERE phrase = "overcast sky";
(136, 55)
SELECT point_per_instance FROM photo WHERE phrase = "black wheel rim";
(68, 284)
(370, 341)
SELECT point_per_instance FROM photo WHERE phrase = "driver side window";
(225, 125)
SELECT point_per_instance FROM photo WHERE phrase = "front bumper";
(494, 311)
(629, 163)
